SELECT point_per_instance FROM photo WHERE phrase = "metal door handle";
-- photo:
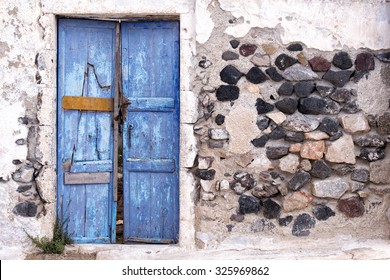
(129, 129)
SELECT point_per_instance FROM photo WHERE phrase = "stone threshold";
(241, 248)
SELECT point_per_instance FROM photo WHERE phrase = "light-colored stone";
(24, 174)
(206, 196)
(205, 162)
(353, 123)
(261, 163)
(302, 59)
(316, 135)
(296, 201)
(244, 160)
(300, 122)
(341, 151)
(380, 171)
(253, 88)
(289, 163)
(313, 150)
(206, 185)
(261, 60)
(218, 134)
(332, 188)
(269, 49)
(298, 72)
(204, 23)
(277, 117)
(295, 148)
(224, 185)
(241, 124)
(305, 165)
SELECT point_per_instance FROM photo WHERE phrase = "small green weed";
(57, 244)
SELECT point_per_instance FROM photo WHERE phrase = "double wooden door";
(118, 90)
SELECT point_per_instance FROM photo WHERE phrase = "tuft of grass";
(56, 245)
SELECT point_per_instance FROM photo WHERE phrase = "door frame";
(188, 100)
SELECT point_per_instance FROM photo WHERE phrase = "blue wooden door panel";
(85, 138)
(150, 67)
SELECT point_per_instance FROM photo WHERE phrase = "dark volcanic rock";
(284, 61)
(341, 95)
(230, 75)
(283, 222)
(234, 43)
(311, 105)
(263, 107)
(237, 218)
(245, 179)
(287, 105)
(227, 93)
(24, 188)
(331, 106)
(343, 169)
(296, 47)
(351, 107)
(339, 78)
(358, 75)
(364, 62)
(294, 136)
(276, 152)
(264, 191)
(384, 57)
(205, 174)
(26, 209)
(360, 175)
(219, 119)
(324, 90)
(300, 179)
(352, 207)
(302, 224)
(229, 55)
(256, 76)
(372, 154)
(260, 142)
(274, 74)
(342, 60)
(320, 169)
(248, 204)
(330, 126)
(271, 209)
(262, 123)
(286, 88)
(319, 64)
(371, 140)
(323, 212)
(247, 49)
(277, 133)
(384, 123)
(303, 89)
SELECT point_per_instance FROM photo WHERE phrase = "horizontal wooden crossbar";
(88, 103)
(86, 178)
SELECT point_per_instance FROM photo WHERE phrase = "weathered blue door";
(86, 52)
(150, 74)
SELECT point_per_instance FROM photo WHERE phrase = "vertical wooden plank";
(85, 47)
(152, 199)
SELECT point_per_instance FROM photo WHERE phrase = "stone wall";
(277, 138)
(292, 139)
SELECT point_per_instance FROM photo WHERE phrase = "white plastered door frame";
(185, 12)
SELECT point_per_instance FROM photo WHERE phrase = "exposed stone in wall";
(301, 110)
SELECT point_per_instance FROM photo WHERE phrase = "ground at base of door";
(339, 248)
